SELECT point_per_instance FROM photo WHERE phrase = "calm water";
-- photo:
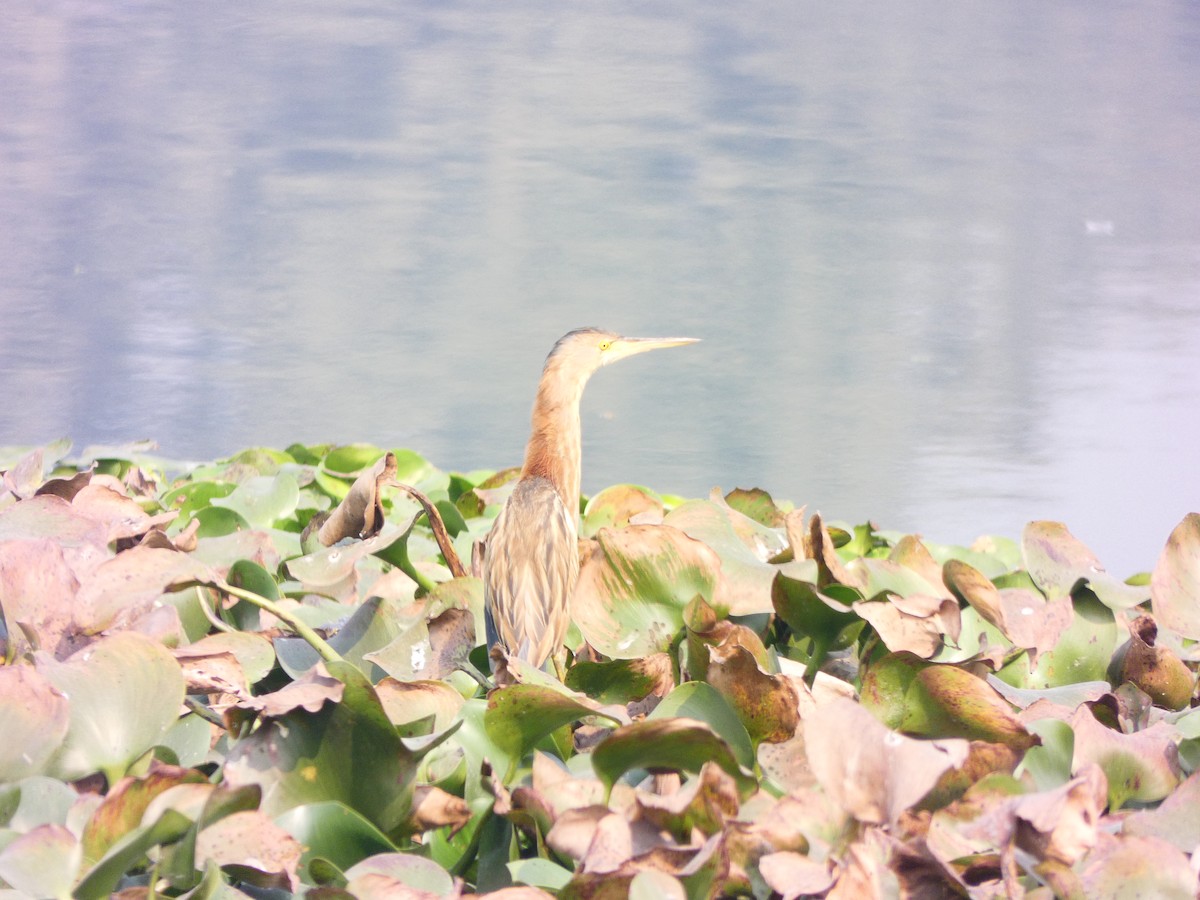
(945, 258)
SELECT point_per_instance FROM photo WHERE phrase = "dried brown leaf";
(120, 516)
(871, 772)
(251, 839)
(766, 704)
(360, 514)
(434, 808)
(309, 692)
(917, 623)
(37, 595)
(793, 875)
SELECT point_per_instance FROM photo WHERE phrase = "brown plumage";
(531, 560)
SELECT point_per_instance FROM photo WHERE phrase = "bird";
(531, 557)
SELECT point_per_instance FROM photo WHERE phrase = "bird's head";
(585, 350)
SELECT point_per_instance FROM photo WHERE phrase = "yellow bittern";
(531, 561)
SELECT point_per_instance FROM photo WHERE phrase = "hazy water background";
(944, 257)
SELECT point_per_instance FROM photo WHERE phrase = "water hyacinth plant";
(265, 676)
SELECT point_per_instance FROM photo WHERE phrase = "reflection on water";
(946, 261)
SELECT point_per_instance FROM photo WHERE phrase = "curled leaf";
(360, 514)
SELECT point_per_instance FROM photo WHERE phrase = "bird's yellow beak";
(630, 346)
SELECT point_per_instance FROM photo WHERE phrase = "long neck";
(554, 448)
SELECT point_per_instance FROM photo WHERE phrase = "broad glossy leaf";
(699, 700)
(756, 504)
(42, 801)
(374, 625)
(263, 500)
(1049, 765)
(614, 506)
(520, 715)
(193, 496)
(333, 565)
(35, 717)
(1175, 583)
(408, 702)
(919, 623)
(621, 680)
(1174, 819)
(346, 751)
(886, 576)
(125, 691)
(250, 840)
(675, 744)
(1067, 695)
(101, 880)
(37, 594)
(541, 873)
(351, 459)
(132, 580)
(1082, 652)
(428, 651)
(940, 700)
(253, 652)
(51, 517)
(743, 545)
(630, 597)
(333, 831)
(811, 612)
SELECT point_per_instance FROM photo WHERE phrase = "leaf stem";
(439, 530)
(293, 622)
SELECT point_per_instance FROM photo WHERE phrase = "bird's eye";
(604, 345)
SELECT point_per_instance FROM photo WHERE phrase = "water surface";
(945, 258)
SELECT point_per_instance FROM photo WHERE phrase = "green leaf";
(332, 831)
(698, 700)
(939, 700)
(743, 546)
(538, 872)
(263, 500)
(520, 715)
(193, 496)
(102, 879)
(125, 691)
(619, 680)
(674, 744)
(346, 751)
(1050, 764)
(629, 600)
(614, 506)
(1082, 652)
(122, 809)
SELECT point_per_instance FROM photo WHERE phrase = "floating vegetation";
(265, 675)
